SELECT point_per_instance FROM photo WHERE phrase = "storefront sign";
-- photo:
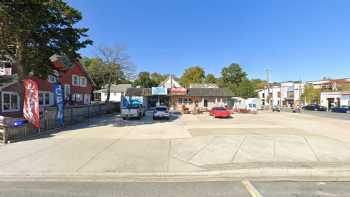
(159, 91)
(57, 89)
(31, 102)
(178, 91)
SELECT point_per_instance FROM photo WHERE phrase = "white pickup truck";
(133, 111)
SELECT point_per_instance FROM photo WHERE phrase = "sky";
(295, 39)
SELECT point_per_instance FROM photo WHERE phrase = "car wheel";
(348, 112)
(315, 109)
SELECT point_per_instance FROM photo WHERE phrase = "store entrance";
(161, 100)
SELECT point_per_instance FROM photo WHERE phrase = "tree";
(112, 65)
(259, 84)
(193, 74)
(158, 78)
(32, 31)
(232, 76)
(144, 80)
(246, 89)
(210, 78)
(311, 94)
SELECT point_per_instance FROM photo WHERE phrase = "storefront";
(335, 99)
(179, 98)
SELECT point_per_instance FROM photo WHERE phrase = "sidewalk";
(186, 148)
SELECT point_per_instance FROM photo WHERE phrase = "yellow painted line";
(251, 189)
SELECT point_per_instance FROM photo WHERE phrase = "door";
(205, 103)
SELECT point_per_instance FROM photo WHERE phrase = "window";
(75, 80)
(77, 97)
(51, 79)
(45, 98)
(10, 102)
(87, 99)
(83, 81)
(66, 91)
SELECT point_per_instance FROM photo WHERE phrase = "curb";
(271, 174)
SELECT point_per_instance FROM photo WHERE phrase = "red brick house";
(75, 80)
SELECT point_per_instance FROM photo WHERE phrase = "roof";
(138, 92)
(115, 88)
(219, 92)
(77, 63)
(203, 85)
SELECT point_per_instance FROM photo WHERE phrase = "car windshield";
(135, 106)
(219, 109)
(161, 109)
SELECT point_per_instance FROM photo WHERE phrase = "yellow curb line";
(251, 189)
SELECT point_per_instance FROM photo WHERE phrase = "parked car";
(341, 109)
(314, 107)
(161, 112)
(133, 111)
(220, 112)
(276, 108)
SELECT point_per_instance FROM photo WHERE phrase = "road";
(161, 189)
(325, 114)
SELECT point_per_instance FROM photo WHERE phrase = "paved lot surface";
(180, 189)
(188, 143)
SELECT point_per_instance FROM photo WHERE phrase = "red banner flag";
(31, 102)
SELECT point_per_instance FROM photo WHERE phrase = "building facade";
(76, 83)
(286, 94)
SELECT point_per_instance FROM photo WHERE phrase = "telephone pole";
(267, 72)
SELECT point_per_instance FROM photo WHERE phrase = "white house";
(170, 82)
(116, 93)
(282, 94)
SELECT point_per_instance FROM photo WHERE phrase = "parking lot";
(185, 143)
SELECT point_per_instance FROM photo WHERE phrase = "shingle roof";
(138, 92)
(220, 92)
(116, 88)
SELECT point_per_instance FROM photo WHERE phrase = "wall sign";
(178, 91)
(159, 91)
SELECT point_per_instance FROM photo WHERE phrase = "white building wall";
(114, 97)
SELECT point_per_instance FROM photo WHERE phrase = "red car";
(220, 112)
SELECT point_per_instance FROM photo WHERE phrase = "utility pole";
(267, 72)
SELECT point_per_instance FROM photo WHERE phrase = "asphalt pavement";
(327, 114)
(174, 189)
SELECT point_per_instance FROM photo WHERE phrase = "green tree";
(32, 31)
(246, 89)
(144, 80)
(232, 76)
(210, 78)
(195, 74)
(258, 83)
(311, 94)
(158, 78)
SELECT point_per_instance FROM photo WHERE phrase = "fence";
(72, 115)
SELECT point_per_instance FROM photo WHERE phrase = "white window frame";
(2, 101)
(66, 93)
(87, 99)
(51, 79)
(82, 81)
(44, 98)
(73, 81)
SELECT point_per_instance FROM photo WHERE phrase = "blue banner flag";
(59, 103)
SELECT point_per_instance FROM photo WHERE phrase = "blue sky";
(295, 39)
